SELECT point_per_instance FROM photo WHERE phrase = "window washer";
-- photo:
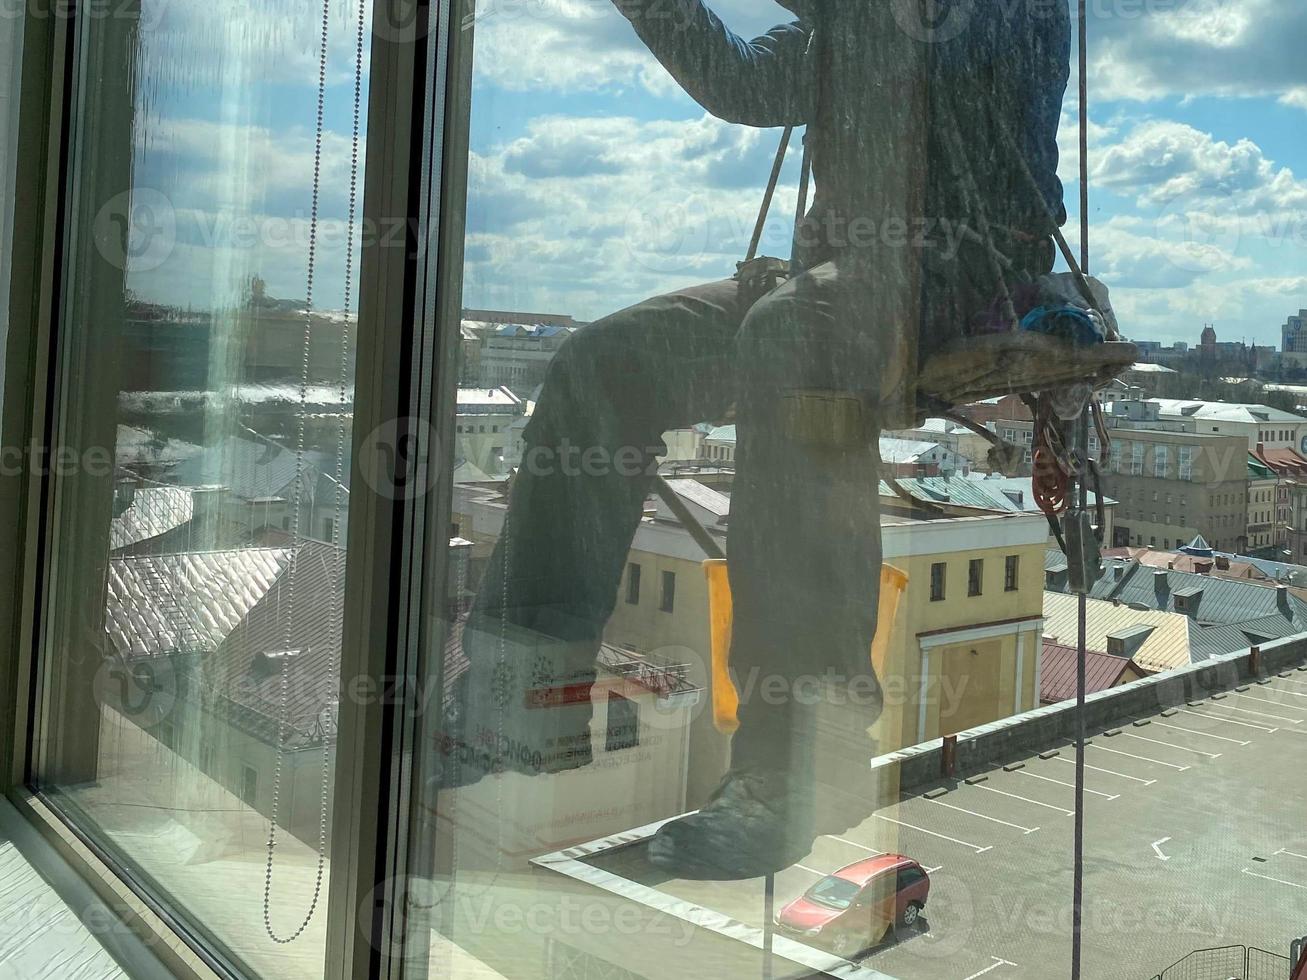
(891, 259)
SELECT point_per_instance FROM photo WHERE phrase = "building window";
(1186, 459)
(1137, 459)
(1162, 462)
(249, 786)
(632, 584)
(623, 724)
(937, 581)
(1010, 570)
(667, 600)
(975, 576)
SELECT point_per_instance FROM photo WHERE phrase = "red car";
(852, 909)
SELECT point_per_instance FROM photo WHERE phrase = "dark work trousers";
(804, 533)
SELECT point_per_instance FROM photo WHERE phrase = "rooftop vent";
(268, 663)
(1126, 642)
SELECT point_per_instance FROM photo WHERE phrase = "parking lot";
(1194, 838)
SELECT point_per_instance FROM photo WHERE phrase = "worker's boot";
(789, 781)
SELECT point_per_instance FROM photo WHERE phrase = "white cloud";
(1162, 161)
(1142, 52)
(619, 210)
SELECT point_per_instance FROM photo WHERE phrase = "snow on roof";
(1222, 411)
(1143, 368)
(904, 450)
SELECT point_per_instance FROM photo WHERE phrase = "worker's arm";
(765, 82)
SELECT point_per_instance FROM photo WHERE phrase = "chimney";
(206, 502)
(1223, 563)
(1161, 580)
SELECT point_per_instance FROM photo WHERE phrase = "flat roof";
(1193, 839)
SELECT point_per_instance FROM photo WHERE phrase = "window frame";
(414, 177)
(1012, 573)
(938, 587)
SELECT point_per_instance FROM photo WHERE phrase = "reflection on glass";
(191, 661)
(721, 555)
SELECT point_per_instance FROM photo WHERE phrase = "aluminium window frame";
(406, 375)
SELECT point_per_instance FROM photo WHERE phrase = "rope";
(1082, 427)
(756, 240)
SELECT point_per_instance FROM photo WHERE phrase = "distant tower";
(1209, 339)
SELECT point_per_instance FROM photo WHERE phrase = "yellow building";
(966, 640)
(964, 646)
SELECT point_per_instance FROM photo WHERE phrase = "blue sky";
(596, 182)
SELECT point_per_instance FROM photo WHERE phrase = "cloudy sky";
(596, 182)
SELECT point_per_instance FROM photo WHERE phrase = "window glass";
(190, 661)
(768, 384)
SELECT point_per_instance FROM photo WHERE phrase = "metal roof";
(1223, 602)
(1057, 671)
(152, 512)
(1223, 411)
(1166, 648)
(159, 604)
(251, 469)
(1004, 494)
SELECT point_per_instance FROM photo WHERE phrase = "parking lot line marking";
(1228, 721)
(1285, 680)
(853, 843)
(1262, 714)
(1141, 758)
(982, 816)
(811, 871)
(1285, 850)
(1110, 772)
(1278, 881)
(931, 871)
(953, 840)
(1172, 745)
(1195, 731)
(1014, 796)
(1278, 704)
(993, 966)
(1050, 779)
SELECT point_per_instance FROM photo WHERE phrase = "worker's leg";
(805, 561)
(590, 457)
